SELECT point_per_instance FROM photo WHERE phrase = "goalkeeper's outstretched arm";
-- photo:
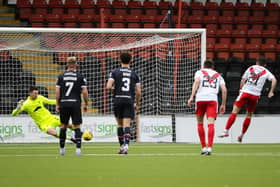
(19, 108)
(48, 101)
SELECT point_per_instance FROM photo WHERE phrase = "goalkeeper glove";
(19, 104)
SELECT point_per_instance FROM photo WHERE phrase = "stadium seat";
(227, 9)
(241, 19)
(135, 7)
(239, 33)
(210, 44)
(255, 31)
(272, 9)
(88, 6)
(53, 20)
(97, 21)
(197, 19)
(72, 7)
(150, 8)
(164, 6)
(222, 51)
(242, 9)
(37, 20)
(24, 8)
(238, 50)
(117, 21)
(224, 33)
(69, 20)
(271, 20)
(212, 9)
(86, 21)
(210, 19)
(211, 30)
(197, 8)
(56, 6)
(257, 9)
(133, 21)
(106, 5)
(119, 7)
(40, 7)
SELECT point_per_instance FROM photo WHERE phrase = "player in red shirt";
(206, 88)
(251, 86)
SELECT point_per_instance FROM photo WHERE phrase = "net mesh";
(165, 62)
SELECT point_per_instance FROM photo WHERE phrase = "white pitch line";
(277, 154)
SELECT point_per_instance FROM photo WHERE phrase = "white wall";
(263, 129)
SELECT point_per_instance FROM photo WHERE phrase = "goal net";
(165, 60)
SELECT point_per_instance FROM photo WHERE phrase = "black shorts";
(73, 112)
(123, 110)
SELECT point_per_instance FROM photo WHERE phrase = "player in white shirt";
(205, 89)
(251, 86)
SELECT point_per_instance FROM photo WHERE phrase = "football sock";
(78, 137)
(201, 134)
(211, 133)
(246, 124)
(62, 137)
(126, 135)
(230, 120)
(121, 135)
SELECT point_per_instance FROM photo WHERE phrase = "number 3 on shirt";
(126, 82)
(69, 86)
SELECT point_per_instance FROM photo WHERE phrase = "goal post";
(165, 60)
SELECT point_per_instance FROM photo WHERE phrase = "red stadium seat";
(117, 21)
(241, 19)
(197, 8)
(211, 30)
(72, 7)
(210, 55)
(53, 20)
(195, 19)
(212, 9)
(119, 7)
(37, 20)
(227, 9)
(271, 41)
(240, 40)
(40, 7)
(86, 21)
(106, 5)
(133, 21)
(210, 19)
(150, 8)
(242, 9)
(239, 33)
(210, 46)
(135, 7)
(224, 33)
(272, 9)
(88, 6)
(257, 9)
(69, 20)
(238, 50)
(24, 8)
(56, 6)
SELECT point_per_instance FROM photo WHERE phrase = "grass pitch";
(148, 164)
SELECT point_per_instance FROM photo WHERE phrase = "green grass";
(149, 164)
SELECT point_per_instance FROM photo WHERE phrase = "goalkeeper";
(34, 106)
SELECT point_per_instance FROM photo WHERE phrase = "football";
(87, 136)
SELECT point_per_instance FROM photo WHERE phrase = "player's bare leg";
(201, 134)
(230, 121)
(246, 124)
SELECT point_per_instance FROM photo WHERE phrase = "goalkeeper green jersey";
(36, 109)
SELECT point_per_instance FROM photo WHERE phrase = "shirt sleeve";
(197, 74)
(58, 82)
(270, 76)
(222, 81)
(246, 74)
(111, 76)
(84, 82)
(47, 101)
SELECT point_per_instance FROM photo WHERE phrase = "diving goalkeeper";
(34, 106)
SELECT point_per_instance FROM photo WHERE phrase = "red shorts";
(208, 107)
(249, 99)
